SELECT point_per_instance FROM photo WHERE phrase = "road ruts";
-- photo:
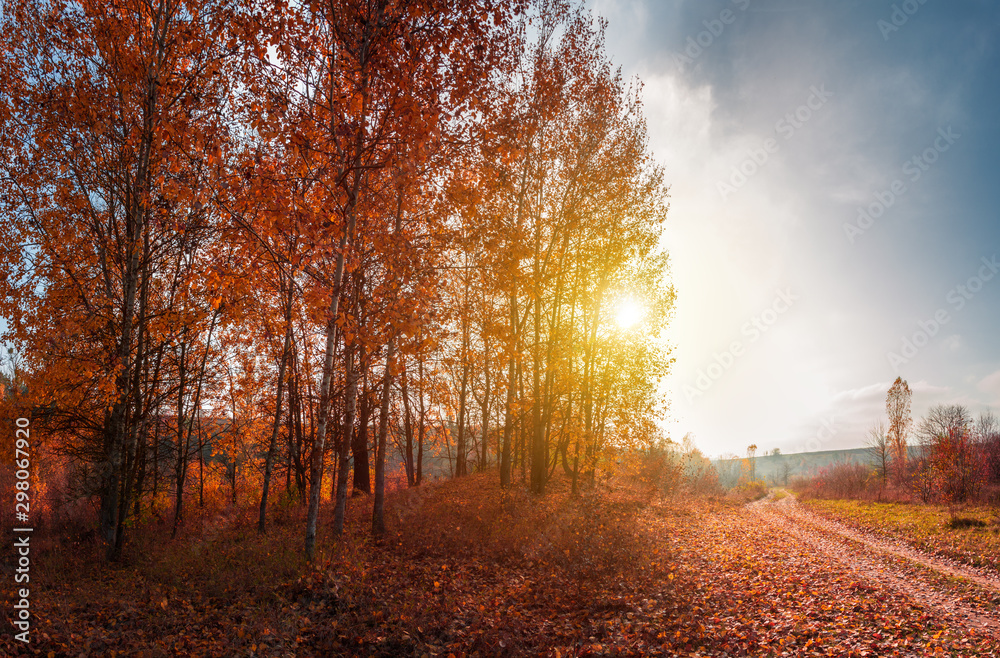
(872, 559)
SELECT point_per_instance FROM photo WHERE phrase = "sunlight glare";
(630, 313)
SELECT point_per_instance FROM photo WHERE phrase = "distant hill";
(777, 469)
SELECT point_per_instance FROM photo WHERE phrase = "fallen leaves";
(556, 576)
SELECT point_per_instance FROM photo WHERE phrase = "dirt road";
(958, 592)
(775, 579)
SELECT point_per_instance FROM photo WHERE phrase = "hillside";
(778, 469)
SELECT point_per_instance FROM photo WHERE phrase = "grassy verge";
(927, 527)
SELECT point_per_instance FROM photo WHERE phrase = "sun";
(630, 313)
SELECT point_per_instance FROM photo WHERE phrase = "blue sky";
(779, 122)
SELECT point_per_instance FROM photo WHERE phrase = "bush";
(751, 491)
(671, 469)
(841, 480)
(959, 522)
(956, 466)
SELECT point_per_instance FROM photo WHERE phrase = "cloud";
(783, 226)
(925, 388)
(877, 389)
(990, 384)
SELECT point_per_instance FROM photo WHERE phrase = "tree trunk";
(484, 453)
(460, 450)
(407, 429)
(180, 465)
(316, 462)
(201, 468)
(378, 517)
(184, 451)
(359, 443)
(272, 444)
(421, 423)
(344, 466)
(316, 466)
(508, 428)
(539, 464)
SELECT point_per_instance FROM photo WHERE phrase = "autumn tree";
(571, 217)
(880, 453)
(752, 460)
(953, 458)
(942, 420)
(897, 408)
(987, 435)
(355, 81)
(112, 123)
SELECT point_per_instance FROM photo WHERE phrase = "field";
(465, 571)
(969, 536)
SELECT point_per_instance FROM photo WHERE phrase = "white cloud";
(784, 226)
(990, 384)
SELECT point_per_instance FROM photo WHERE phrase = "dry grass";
(971, 535)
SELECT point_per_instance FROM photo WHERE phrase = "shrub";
(671, 468)
(957, 466)
(958, 522)
(751, 491)
(841, 480)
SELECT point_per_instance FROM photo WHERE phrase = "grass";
(972, 538)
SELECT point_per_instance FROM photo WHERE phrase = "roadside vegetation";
(948, 459)
(934, 484)
(972, 536)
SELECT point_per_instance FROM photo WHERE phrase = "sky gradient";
(833, 216)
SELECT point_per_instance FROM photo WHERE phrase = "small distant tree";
(752, 461)
(700, 475)
(987, 436)
(729, 470)
(942, 420)
(880, 454)
(897, 407)
(956, 465)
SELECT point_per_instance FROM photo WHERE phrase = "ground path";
(780, 580)
(927, 579)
